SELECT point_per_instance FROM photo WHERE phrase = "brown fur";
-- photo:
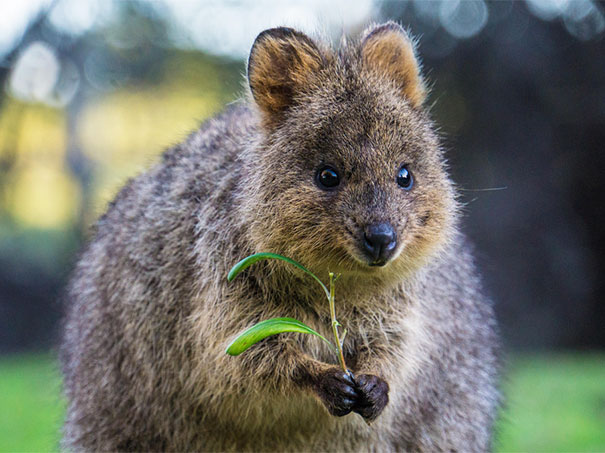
(151, 311)
(282, 64)
(391, 52)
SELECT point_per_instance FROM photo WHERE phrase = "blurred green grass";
(31, 408)
(555, 403)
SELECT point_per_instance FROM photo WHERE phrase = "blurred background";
(91, 91)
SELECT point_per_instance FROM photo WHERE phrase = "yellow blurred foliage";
(44, 196)
(40, 193)
(42, 136)
(128, 127)
(121, 132)
(35, 131)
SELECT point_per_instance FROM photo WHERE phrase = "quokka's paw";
(336, 389)
(372, 396)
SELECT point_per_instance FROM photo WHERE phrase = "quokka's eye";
(327, 178)
(404, 178)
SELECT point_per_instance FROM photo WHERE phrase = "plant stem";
(335, 324)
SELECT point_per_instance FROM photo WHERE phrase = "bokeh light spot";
(463, 19)
(35, 73)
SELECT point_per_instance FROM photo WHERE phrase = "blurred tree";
(10, 126)
(517, 88)
(521, 104)
(63, 91)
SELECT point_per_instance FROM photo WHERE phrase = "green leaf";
(249, 261)
(267, 328)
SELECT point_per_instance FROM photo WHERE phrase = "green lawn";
(31, 409)
(554, 403)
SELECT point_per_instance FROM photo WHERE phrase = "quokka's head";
(348, 175)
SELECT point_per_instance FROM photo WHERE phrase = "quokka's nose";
(379, 242)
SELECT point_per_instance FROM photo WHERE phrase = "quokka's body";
(333, 162)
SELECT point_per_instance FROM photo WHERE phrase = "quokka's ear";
(389, 50)
(282, 64)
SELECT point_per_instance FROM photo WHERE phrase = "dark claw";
(337, 391)
(373, 396)
(349, 377)
(342, 393)
(349, 391)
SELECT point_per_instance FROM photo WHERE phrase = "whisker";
(489, 189)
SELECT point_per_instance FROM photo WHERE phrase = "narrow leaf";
(267, 328)
(250, 260)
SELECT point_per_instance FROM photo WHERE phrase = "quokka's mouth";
(376, 264)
